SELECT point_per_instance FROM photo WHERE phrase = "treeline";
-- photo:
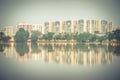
(24, 36)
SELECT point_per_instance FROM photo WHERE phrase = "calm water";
(59, 62)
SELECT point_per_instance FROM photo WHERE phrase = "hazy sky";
(39, 11)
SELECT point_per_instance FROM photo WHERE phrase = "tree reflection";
(21, 48)
(83, 47)
(114, 49)
(2, 47)
(66, 53)
(49, 48)
(117, 50)
(35, 48)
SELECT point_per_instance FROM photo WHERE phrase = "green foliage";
(2, 35)
(114, 49)
(114, 35)
(90, 37)
(83, 37)
(74, 36)
(48, 36)
(35, 35)
(4, 38)
(68, 37)
(21, 48)
(110, 36)
(58, 37)
(102, 38)
(21, 35)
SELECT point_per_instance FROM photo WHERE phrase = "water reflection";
(35, 48)
(21, 48)
(62, 53)
(115, 50)
(2, 47)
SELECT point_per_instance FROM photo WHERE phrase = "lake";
(40, 61)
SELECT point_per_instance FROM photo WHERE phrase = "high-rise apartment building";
(93, 26)
(25, 26)
(98, 26)
(46, 27)
(103, 26)
(62, 27)
(68, 26)
(57, 27)
(80, 26)
(37, 27)
(74, 26)
(109, 27)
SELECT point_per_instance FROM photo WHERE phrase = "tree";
(83, 37)
(35, 35)
(4, 38)
(67, 36)
(21, 35)
(48, 36)
(58, 37)
(110, 36)
(102, 38)
(2, 35)
(116, 34)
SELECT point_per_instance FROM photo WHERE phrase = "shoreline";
(66, 42)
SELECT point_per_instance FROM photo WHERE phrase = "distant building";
(68, 26)
(46, 27)
(51, 27)
(93, 26)
(80, 26)
(103, 26)
(10, 31)
(110, 27)
(98, 26)
(25, 26)
(37, 27)
(30, 27)
(74, 26)
(57, 27)
(62, 27)
(88, 26)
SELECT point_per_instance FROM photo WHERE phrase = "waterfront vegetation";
(21, 35)
(3, 37)
(36, 36)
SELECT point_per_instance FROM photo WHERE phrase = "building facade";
(25, 26)
(79, 26)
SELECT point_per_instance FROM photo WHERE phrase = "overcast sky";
(39, 11)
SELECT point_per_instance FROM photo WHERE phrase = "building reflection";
(60, 53)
